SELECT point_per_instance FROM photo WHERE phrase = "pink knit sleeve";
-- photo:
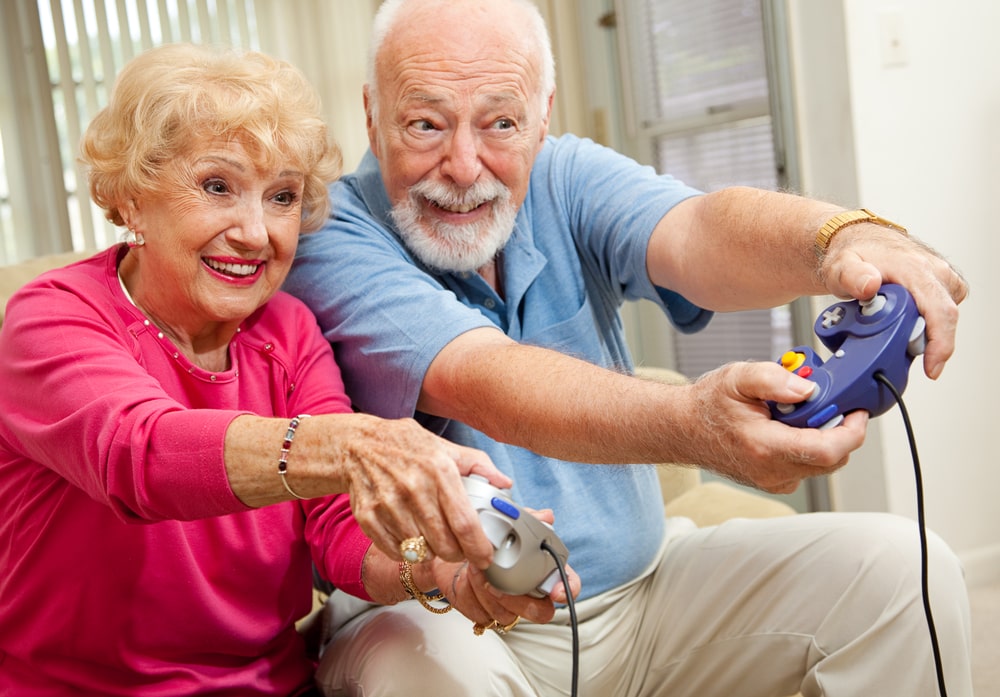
(337, 542)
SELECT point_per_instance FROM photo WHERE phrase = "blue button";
(822, 416)
(506, 507)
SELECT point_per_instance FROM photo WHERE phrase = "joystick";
(520, 565)
(882, 335)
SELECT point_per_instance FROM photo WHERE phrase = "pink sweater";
(127, 565)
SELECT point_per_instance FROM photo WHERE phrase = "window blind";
(700, 83)
(83, 45)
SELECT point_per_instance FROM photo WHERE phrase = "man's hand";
(729, 429)
(863, 257)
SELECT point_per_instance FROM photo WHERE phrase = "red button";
(805, 371)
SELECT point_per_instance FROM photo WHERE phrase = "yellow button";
(792, 360)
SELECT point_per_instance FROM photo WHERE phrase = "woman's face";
(219, 239)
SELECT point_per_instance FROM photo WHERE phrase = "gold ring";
(480, 629)
(506, 628)
(413, 549)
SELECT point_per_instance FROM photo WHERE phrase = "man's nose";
(461, 161)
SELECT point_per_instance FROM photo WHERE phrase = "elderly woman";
(165, 495)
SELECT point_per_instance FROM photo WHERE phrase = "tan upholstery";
(14, 276)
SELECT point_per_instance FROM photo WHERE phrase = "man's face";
(456, 124)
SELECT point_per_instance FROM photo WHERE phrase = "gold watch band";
(838, 222)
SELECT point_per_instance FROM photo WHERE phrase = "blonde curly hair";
(170, 96)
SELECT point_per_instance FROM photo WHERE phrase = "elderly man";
(471, 275)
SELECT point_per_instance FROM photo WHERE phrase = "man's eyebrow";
(492, 99)
(423, 98)
(502, 98)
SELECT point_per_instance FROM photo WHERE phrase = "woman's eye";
(423, 125)
(286, 198)
(215, 186)
(503, 124)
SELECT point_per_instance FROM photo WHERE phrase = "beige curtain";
(328, 41)
(570, 113)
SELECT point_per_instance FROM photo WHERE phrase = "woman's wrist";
(380, 576)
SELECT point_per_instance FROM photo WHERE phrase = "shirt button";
(489, 303)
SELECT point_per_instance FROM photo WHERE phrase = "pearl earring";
(133, 238)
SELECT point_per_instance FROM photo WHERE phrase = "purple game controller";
(520, 565)
(883, 335)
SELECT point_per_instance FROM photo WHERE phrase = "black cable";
(572, 616)
(922, 526)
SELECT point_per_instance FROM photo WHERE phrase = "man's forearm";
(739, 248)
(551, 403)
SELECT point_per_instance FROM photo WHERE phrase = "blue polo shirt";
(578, 251)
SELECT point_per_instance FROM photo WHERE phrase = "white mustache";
(456, 247)
(458, 200)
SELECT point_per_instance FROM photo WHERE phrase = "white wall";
(919, 121)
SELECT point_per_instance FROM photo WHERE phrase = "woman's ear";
(130, 214)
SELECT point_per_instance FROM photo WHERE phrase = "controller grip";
(521, 566)
(879, 336)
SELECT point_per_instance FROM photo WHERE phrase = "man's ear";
(370, 121)
(546, 118)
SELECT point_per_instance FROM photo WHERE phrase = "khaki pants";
(826, 604)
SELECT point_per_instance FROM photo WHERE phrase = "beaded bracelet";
(286, 446)
(406, 578)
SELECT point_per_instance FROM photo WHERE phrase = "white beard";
(456, 248)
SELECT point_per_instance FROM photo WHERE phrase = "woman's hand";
(469, 591)
(406, 483)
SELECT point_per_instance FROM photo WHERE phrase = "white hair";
(385, 20)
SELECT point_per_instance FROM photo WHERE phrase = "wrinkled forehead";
(485, 51)
(240, 151)
(437, 87)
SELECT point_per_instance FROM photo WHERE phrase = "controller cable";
(921, 525)
(571, 605)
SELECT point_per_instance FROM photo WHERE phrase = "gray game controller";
(520, 565)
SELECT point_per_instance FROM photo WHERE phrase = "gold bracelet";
(838, 222)
(406, 578)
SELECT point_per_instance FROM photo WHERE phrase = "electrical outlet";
(892, 39)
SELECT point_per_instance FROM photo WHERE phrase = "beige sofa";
(14, 276)
(684, 493)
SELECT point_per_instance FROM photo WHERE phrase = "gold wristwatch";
(842, 220)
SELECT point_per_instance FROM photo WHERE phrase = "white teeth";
(465, 209)
(232, 269)
(460, 208)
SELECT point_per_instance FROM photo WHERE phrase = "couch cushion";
(14, 276)
(715, 502)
